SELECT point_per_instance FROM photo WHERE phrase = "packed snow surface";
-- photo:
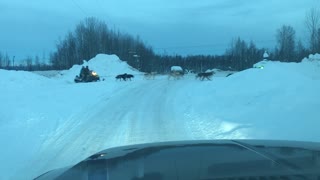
(48, 123)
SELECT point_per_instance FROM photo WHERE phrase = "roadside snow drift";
(47, 123)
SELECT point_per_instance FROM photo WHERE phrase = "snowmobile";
(91, 77)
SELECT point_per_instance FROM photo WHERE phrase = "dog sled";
(176, 72)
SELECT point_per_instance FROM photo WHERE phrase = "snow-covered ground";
(47, 123)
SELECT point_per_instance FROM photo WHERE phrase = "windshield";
(79, 77)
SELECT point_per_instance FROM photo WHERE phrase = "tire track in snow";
(68, 144)
(142, 113)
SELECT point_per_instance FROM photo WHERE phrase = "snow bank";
(308, 68)
(220, 73)
(279, 101)
(20, 78)
(48, 74)
(312, 57)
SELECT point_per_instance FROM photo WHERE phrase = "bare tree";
(286, 43)
(92, 37)
(37, 64)
(29, 63)
(7, 61)
(302, 52)
(313, 23)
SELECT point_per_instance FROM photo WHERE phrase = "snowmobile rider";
(82, 72)
(86, 72)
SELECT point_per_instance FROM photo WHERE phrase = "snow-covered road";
(144, 111)
(141, 112)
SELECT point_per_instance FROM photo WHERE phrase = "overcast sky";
(172, 26)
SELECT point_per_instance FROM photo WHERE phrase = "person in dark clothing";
(87, 69)
(86, 73)
(82, 72)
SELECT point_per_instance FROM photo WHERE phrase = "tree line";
(92, 37)
(27, 64)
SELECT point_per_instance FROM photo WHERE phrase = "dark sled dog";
(124, 77)
(205, 75)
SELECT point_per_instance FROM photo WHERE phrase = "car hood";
(205, 159)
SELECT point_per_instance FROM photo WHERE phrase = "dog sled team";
(176, 73)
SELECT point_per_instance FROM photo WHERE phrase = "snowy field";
(47, 121)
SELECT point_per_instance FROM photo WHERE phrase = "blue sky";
(169, 26)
